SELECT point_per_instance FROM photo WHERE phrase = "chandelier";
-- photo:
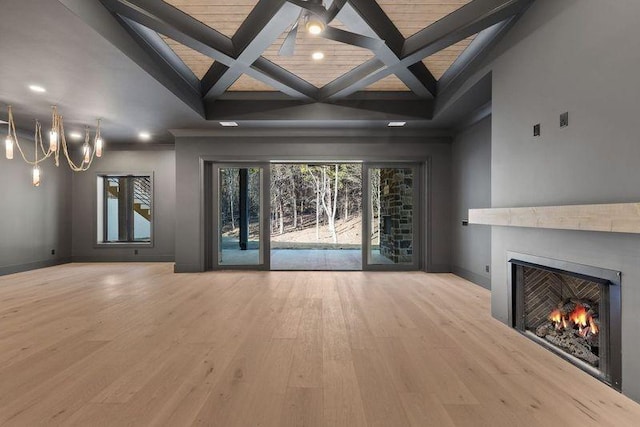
(57, 144)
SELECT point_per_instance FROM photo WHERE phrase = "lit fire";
(555, 316)
(579, 317)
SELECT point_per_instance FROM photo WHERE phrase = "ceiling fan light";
(314, 26)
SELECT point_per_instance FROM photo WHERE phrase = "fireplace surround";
(571, 309)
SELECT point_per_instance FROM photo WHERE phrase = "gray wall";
(471, 188)
(189, 150)
(162, 165)
(581, 57)
(34, 220)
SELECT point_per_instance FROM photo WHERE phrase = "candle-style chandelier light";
(57, 143)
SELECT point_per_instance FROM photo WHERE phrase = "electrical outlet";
(564, 119)
(53, 251)
(536, 130)
(135, 252)
(486, 268)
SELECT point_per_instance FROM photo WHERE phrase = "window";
(124, 209)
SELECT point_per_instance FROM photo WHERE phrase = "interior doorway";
(316, 216)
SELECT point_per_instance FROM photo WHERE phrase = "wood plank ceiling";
(409, 16)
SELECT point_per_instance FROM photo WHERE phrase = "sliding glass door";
(387, 220)
(241, 218)
(391, 231)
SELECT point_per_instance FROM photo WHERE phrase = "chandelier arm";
(38, 137)
(72, 165)
(14, 135)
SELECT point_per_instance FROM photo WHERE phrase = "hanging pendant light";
(99, 146)
(8, 146)
(35, 175)
(86, 151)
(53, 140)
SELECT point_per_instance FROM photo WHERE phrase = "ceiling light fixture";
(314, 25)
(144, 136)
(57, 143)
(229, 124)
(75, 135)
(317, 56)
(396, 124)
(37, 88)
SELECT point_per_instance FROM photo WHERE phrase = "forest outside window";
(125, 209)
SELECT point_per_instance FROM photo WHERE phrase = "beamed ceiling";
(383, 60)
(188, 64)
(409, 16)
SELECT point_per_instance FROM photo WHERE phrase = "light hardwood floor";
(135, 344)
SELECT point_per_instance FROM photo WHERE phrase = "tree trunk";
(330, 200)
(281, 209)
(373, 214)
(317, 211)
(233, 220)
(346, 204)
(295, 212)
(379, 217)
(275, 219)
(335, 206)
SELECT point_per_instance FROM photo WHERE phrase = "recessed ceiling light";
(396, 124)
(317, 56)
(75, 135)
(36, 88)
(229, 124)
(144, 136)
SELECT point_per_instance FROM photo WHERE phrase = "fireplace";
(571, 309)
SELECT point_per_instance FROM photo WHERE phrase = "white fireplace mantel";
(613, 218)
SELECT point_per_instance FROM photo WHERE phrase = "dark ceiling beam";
(460, 24)
(366, 17)
(334, 9)
(171, 22)
(165, 19)
(283, 80)
(351, 79)
(469, 63)
(132, 42)
(373, 20)
(283, 110)
(449, 30)
(154, 41)
(266, 22)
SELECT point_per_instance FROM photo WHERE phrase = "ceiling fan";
(315, 18)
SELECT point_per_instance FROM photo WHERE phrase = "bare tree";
(330, 199)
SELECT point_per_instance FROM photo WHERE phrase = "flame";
(555, 316)
(579, 316)
(592, 326)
